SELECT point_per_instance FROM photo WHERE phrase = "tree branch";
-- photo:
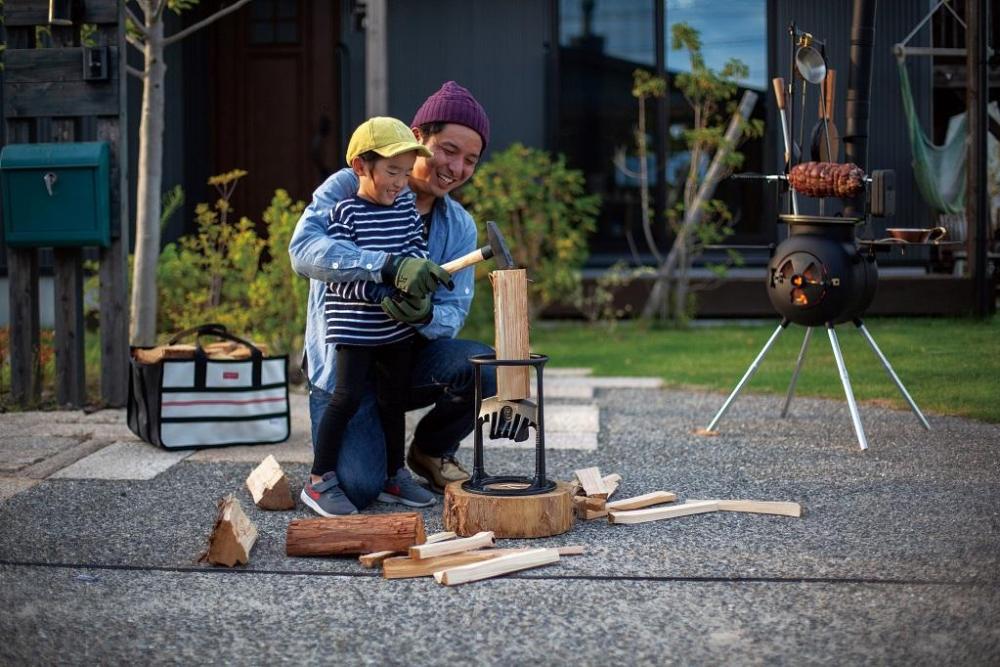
(204, 22)
(135, 41)
(137, 73)
(140, 27)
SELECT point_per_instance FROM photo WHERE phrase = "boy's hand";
(417, 277)
(408, 308)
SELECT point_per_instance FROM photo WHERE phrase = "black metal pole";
(977, 209)
(859, 83)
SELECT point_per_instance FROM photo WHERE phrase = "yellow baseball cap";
(386, 136)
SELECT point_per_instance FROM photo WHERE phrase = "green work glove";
(408, 308)
(418, 277)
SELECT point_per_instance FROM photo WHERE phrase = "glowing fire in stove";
(799, 297)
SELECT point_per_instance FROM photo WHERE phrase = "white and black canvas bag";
(202, 402)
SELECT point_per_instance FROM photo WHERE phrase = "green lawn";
(949, 366)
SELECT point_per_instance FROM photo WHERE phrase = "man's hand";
(408, 308)
(417, 277)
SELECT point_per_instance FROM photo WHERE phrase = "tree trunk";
(692, 215)
(150, 177)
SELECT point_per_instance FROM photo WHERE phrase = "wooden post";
(71, 387)
(25, 365)
(510, 317)
(977, 207)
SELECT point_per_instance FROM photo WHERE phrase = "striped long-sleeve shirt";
(353, 312)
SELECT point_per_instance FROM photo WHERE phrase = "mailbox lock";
(50, 179)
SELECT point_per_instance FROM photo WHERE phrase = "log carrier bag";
(202, 402)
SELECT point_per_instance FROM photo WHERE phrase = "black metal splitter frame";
(508, 485)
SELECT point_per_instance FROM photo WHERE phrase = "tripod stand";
(841, 366)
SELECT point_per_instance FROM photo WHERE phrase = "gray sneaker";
(326, 498)
(402, 488)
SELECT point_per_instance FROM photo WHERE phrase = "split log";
(588, 508)
(592, 482)
(657, 513)
(354, 534)
(645, 500)
(611, 482)
(376, 558)
(269, 487)
(540, 515)
(496, 567)
(510, 319)
(761, 507)
(233, 535)
(480, 540)
(404, 567)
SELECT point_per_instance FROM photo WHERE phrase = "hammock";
(940, 170)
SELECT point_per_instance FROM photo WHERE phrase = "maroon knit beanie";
(454, 104)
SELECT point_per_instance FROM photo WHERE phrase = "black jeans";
(392, 381)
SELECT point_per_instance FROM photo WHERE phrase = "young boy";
(381, 216)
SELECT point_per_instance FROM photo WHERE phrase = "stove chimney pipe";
(859, 84)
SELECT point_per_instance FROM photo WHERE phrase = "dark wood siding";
(495, 49)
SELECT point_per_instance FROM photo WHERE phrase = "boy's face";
(456, 151)
(382, 181)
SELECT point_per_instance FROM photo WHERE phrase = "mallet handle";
(473, 257)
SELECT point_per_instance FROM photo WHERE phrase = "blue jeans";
(440, 376)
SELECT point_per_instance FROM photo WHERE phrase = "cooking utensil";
(825, 141)
(779, 95)
(809, 61)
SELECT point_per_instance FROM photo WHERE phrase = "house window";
(274, 22)
(602, 42)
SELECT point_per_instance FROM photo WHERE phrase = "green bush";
(543, 212)
(226, 272)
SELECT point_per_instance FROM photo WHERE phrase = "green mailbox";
(56, 194)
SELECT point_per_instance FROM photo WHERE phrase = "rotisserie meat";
(827, 179)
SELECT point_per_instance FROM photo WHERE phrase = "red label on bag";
(230, 375)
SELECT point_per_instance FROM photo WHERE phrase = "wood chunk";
(592, 482)
(761, 507)
(511, 326)
(269, 487)
(657, 513)
(645, 500)
(157, 354)
(404, 567)
(496, 567)
(588, 508)
(611, 482)
(477, 541)
(539, 515)
(233, 535)
(354, 534)
(375, 559)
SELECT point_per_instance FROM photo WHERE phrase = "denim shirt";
(316, 256)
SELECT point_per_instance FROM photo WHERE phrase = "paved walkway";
(896, 559)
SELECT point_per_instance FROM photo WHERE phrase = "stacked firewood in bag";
(224, 350)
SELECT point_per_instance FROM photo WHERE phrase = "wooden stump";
(354, 534)
(541, 515)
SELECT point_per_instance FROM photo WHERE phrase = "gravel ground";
(895, 560)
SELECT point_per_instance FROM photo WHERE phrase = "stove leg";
(892, 373)
(749, 374)
(795, 375)
(846, 381)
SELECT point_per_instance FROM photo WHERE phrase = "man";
(456, 129)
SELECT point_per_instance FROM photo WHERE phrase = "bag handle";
(211, 328)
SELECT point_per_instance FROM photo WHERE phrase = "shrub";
(544, 213)
(226, 273)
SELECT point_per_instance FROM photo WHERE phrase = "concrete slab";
(568, 372)
(11, 486)
(123, 460)
(21, 451)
